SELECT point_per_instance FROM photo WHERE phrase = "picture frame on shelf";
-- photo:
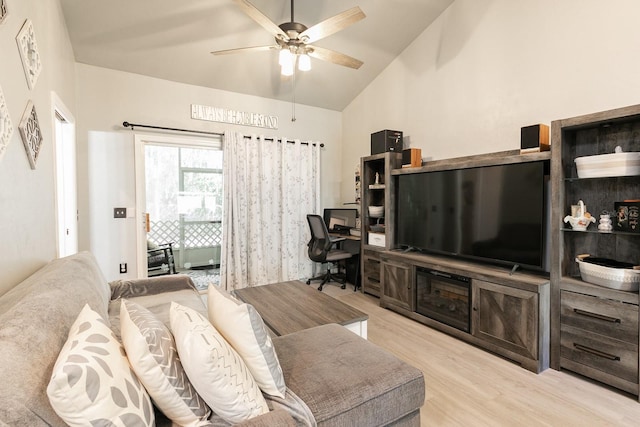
(29, 53)
(6, 127)
(31, 133)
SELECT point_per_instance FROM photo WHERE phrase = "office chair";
(320, 250)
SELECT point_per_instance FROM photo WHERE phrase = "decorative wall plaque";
(223, 115)
(6, 128)
(31, 134)
(29, 53)
(3, 10)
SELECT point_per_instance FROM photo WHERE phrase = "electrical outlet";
(119, 212)
(123, 267)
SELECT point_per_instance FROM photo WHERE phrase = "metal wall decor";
(6, 127)
(3, 10)
(31, 134)
(29, 54)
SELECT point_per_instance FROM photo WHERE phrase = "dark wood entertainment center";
(509, 312)
(558, 321)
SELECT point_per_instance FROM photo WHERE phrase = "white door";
(65, 184)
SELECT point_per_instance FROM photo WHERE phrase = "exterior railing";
(187, 235)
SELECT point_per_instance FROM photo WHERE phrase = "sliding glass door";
(183, 210)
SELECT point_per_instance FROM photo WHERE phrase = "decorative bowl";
(600, 271)
(376, 211)
(614, 164)
(378, 228)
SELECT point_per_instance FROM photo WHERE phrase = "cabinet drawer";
(613, 319)
(371, 273)
(372, 269)
(599, 352)
(371, 284)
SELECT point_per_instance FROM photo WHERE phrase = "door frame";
(67, 165)
(141, 140)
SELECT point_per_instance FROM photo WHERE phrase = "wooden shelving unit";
(594, 330)
(381, 193)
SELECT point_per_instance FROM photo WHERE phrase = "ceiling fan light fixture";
(304, 62)
(288, 67)
(293, 39)
(284, 57)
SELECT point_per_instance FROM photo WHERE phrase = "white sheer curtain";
(269, 188)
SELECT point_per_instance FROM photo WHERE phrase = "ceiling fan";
(294, 39)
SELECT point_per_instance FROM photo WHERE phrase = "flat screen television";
(496, 214)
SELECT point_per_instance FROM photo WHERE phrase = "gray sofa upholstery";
(343, 379)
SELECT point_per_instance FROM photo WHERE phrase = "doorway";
(65, 179)
(182, 208)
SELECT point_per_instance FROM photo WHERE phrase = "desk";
(351, 244)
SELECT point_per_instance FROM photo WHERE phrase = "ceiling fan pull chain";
(293, 105)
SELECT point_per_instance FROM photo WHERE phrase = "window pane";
(201, 158)
(201, 199)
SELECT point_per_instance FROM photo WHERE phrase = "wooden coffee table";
(288, 307)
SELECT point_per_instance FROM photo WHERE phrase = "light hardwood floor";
(467, 386)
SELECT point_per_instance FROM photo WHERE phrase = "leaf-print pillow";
(92, 382)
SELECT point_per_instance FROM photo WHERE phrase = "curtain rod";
(132, 125)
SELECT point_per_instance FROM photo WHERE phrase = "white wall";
(106, 177)
(27, 217)
(486, 68)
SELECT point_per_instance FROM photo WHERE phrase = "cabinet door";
(371, 273)
(506, 317)
(397, 283)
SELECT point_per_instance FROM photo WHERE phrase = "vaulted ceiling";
(172, 40)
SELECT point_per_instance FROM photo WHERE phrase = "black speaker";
(534, 138)
(386, 140)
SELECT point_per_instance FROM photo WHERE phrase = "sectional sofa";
(332, 376)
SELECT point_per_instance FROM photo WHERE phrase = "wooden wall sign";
(29, 54)
(6, 127)
(31, 134)
(3, 10)
(234, 117)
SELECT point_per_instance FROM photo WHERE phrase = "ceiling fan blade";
(245, 49)
(261, 19)
(332, 25)
(335, 57)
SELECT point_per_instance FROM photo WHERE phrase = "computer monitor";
(338, 216)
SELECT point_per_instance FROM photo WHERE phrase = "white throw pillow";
(152, 352)
(92, 382)
(214, 368)
(242, 326)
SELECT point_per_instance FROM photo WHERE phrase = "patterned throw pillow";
(242, 326)
(214, 368)
(92, 382)
(152, 352)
